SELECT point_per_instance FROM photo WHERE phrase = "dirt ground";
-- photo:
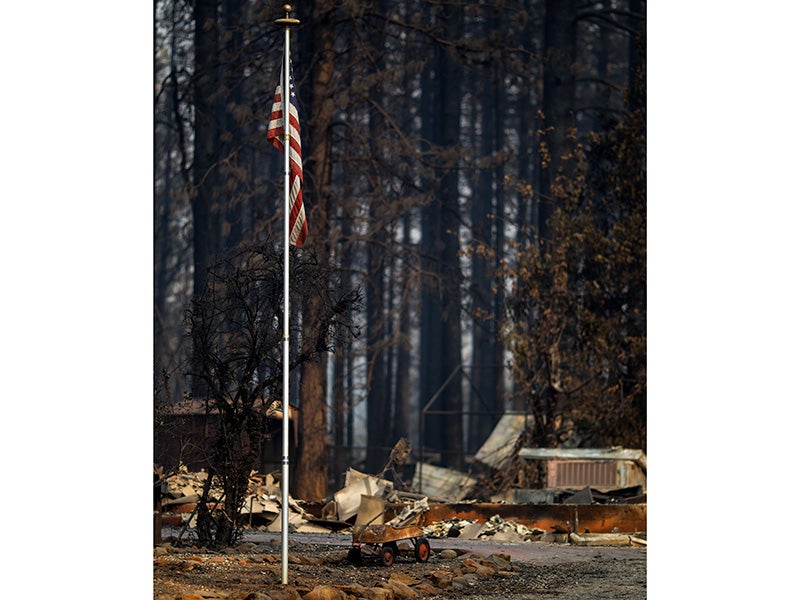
(319, 569)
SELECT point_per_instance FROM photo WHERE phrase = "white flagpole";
(286, 23)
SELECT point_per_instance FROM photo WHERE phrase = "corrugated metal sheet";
(636, 456)
(500, 444)
(580, 473)
(442, 483)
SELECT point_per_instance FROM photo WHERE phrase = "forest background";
(475, 171)
(78, 235)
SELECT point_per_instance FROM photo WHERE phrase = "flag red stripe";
(298, 227)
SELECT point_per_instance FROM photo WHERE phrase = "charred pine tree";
(378, 404)
(206, 136)
(558, 102)
(312, 458)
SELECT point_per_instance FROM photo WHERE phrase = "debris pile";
(586, 495)
(410, 513)
(504, 470)
(182, 490)
(184, 487)
(447, 490)
(261, 508)
(495, 528)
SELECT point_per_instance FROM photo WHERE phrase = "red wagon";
(372, 528)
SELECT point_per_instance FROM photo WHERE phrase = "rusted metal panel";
(611, 518)
(595, 518)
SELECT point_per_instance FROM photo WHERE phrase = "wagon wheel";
(388, 553)
(422, 549)
(354, 555)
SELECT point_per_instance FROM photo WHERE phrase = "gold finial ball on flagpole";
(287, 21)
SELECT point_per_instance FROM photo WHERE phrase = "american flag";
(298, 228)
